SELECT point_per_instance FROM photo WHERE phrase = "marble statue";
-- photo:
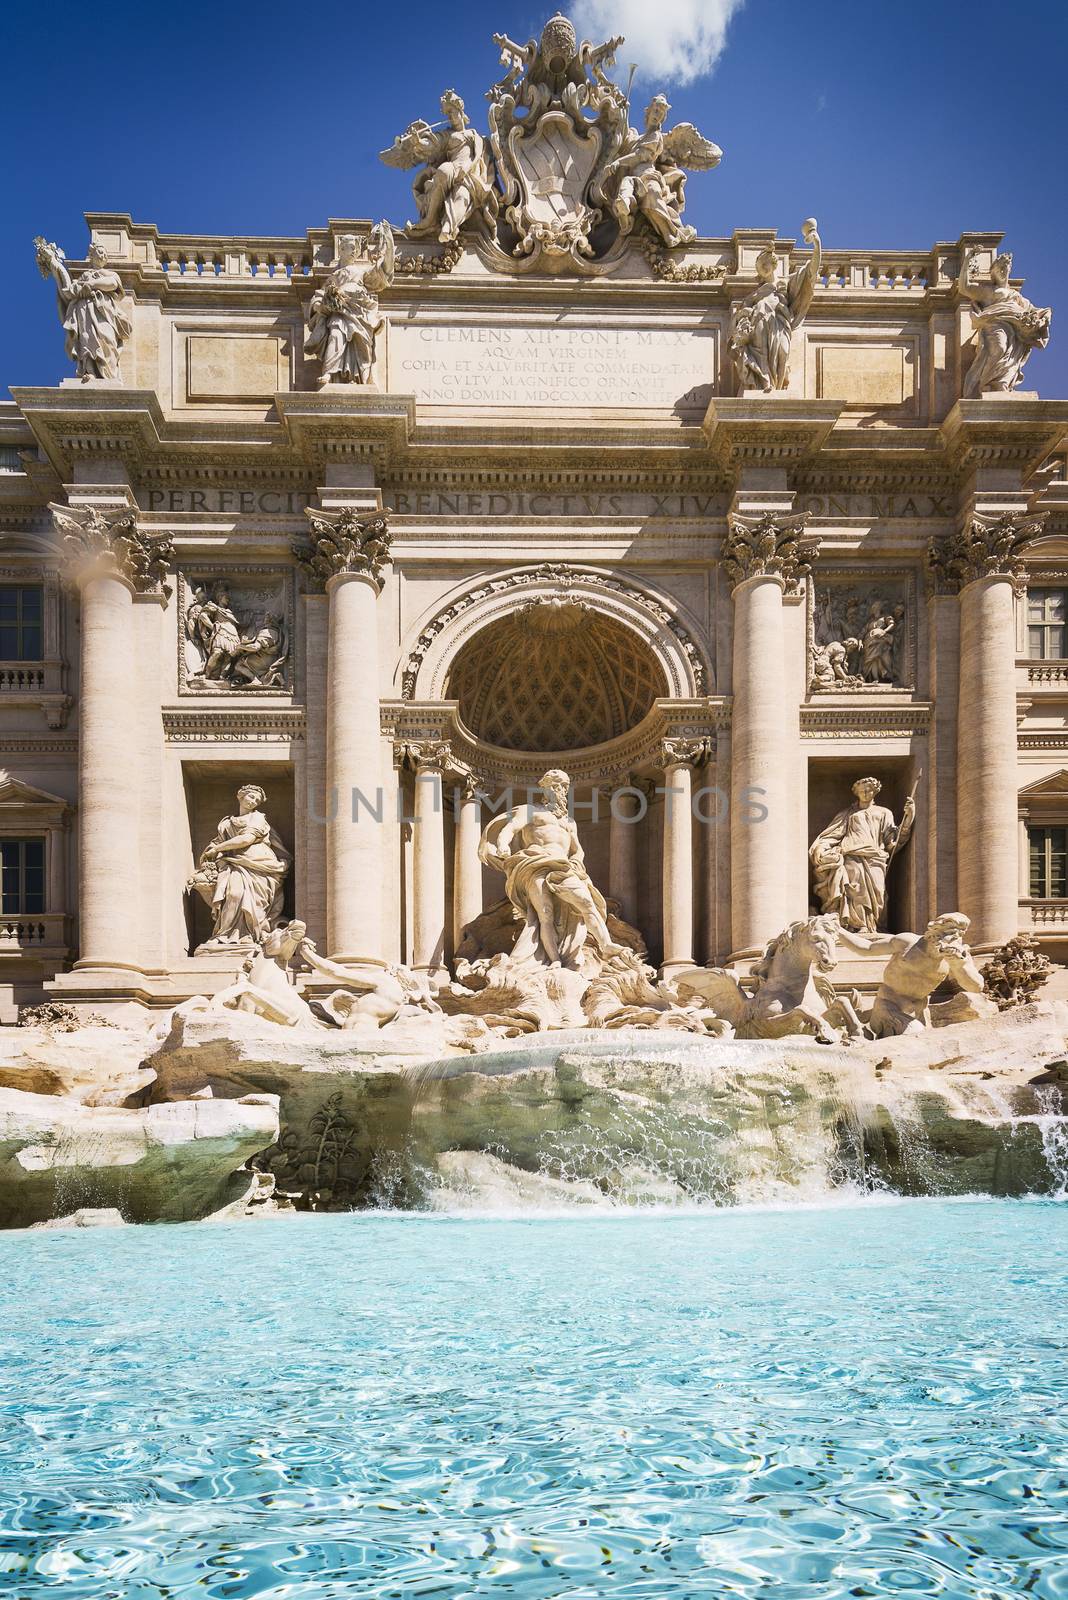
(1007, 328)
(343, 316)
(831, 663)
(647, 178)
(241, 873)
(235, 654)
(266, 986)
(457, 181)
(793, 994)
(96, 329)
(851, 855)
(918, 964)
(537, 848)
(763, 325)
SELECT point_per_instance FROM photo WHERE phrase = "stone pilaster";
(110, 561)
(984, 563)
(764, 557)
(347, 557)
(680, 757)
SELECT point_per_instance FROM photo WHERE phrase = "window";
(22, 877)
(1045, 624)
(1049, 861)
(21, 636)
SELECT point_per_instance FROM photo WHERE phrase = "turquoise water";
(864, 1400)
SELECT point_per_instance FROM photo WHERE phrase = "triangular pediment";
(1054, 786)
(15, 792)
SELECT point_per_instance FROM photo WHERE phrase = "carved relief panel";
(235, 630)
(862, 631)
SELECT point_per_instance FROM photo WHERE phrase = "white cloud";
(673, 41)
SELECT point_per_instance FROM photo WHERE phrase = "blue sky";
(895, 125)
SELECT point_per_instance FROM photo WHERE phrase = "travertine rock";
(166, 1163)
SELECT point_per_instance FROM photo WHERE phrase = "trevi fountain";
(529, 714)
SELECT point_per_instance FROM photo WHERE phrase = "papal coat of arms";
(563, 177)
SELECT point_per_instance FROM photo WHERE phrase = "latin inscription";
(656, 369)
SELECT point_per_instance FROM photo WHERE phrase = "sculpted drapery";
(242, 873)
(851, 855)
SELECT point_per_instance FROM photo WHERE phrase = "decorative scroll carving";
(89, 309)
(769, 546)
(668, 270)
(235, 636)
(96, 540)
(457, 177)
(343, 319)
(984, 550)
(426, 756)
(1007, 327)
(763, 326)
(346, 541)
(420, 265)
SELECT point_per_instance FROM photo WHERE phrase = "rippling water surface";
(864, 1400)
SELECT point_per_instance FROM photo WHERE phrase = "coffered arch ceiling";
(554, 675)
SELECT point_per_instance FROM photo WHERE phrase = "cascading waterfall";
(728, 1124)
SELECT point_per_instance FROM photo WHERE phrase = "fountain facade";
(539, 547)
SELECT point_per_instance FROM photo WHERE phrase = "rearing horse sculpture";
(793, 992)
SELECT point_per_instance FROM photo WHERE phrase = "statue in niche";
(763, 326)
(646, 179)
(537, 848)
(1007, 328)
(919, 963)
(851, 855)
(241, 873)
(235, 654)
(857, 640)
(89, 309)
(457, 178)
(343, 316)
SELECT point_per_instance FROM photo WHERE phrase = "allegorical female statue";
(763, 326)
(457, 178)
(343, 316)
(89, 308)
(851, 856)
(241, 874)
(1007, 328)
(537, 848)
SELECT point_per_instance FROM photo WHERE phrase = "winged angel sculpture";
(563, 176)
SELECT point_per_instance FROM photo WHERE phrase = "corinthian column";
(467, 868)
(985, 564)
(680, 757)
(347, 557)
(764, 557)
(109, 560)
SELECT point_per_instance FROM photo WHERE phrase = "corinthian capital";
(96, 541)
(426, 756)
(769, 546)
(984, 550)
(684, 752)
(346, 541)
